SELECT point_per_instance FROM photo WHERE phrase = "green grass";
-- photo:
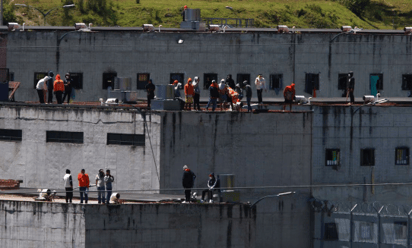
(379, 14)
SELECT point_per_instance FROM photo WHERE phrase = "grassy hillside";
(367, 14)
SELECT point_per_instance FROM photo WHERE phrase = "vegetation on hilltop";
(367, 14)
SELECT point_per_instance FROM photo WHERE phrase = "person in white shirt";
(41, 88)
(260, 83)
(68, 185)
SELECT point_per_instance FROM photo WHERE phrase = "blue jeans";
(109, 193)
(83, 191)
(212, 100)
(100, 194)
(249, 108)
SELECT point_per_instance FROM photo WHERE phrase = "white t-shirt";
(67, 178)
(260, 83)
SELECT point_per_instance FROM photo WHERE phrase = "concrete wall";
(31, 224)
(37, 224)
(159, 54)
(351, 129)
(42, 164)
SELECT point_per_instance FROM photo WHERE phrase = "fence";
(342, 224)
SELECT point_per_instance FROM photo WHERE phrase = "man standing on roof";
(230, 81)
(260, 83)
(100, 186)
(150, 88)
(188, 182)
(184, 12)
(84, 185)
(50, 87)
(189, 92)
(41, 88)
(108, 180)
(68, 84)
(58, 88)
(213, 95)
(289, 95)
(196, 97)
(350, 88)
(212, 184)
(68, 185)
(248, 95)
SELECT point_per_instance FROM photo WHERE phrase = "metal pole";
(409, 229)
(351, 226)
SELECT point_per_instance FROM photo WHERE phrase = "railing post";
(351, 226)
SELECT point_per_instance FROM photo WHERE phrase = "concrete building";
(313, 59)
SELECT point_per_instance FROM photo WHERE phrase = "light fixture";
(148, 27)
(180, 41)
(346, 28)
(408, 30)
(283, 29)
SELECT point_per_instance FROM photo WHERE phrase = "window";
(10, 134)
(331, 233)
(402, 156)
(276, 81)
(401, 230)
(332, 157)
(77, 79)
(108, 79)
(207, 79)
(125, 139)
(311, 82)
(64, 137)
(142, 80)
(342, 81)
(242, 77)
(38, 76)
(407, 82)
(368, 157)
(4, 75)
(376, 80)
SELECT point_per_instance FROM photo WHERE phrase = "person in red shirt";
(189, 92)
(84, 185)
(58, 88)
(289, 94)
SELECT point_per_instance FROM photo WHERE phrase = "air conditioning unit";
(346, 28)
(79, 26)
(148, 27)
(283, 29)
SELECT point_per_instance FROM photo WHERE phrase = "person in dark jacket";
(350, 88)
(213, 95)
(188, 182)
(248, 96)
(68, 84)
(230, 81)
(150, 88)
(213, 184)
(50, 83)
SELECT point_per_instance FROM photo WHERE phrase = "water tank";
(192, 15)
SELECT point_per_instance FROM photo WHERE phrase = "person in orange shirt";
(289, 94)
(58, 88)
(189, 92)
(84, 185)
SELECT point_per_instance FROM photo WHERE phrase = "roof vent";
(283, 29)
(13, 26)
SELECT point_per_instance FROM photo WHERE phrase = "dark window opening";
(10, 135)
(38, 76)
(332, 157)
(142, 80)
(11, 76)
(4, 75)
(402, 156)
(343, 81)
(207, 79)
(64, 137)
(407, 82)
(368, 157)
(126, 139)
(77, 80)
(378, 81)
(401, 229)
(311, 82)
(276, 81)
(331, 232)
(108, 80)
(179, 77)
(241, 78)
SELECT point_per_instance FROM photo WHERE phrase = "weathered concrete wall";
(37, 224)
(351, 129)
(43, 164)
(159, 54)
(271, 149)
(30, 225)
